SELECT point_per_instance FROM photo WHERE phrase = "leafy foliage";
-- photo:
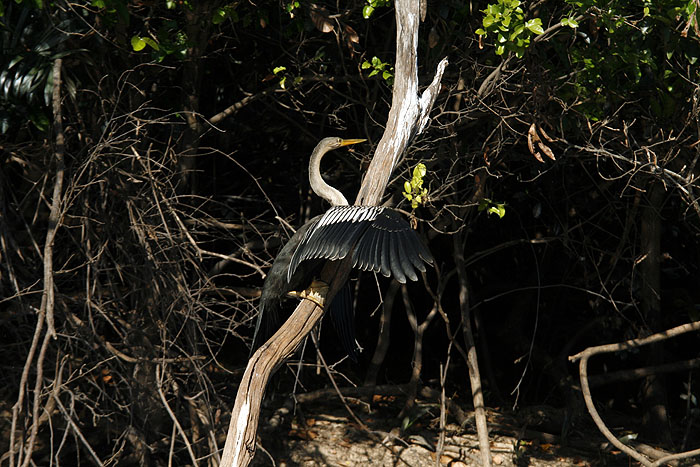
(368, 9)
(413, 189)
(632, 52)
(492, 207)
(506, 21)
(378, 66)
(30, 44)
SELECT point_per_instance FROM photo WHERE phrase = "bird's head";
(335, 142)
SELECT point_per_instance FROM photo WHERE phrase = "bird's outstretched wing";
(380, 240)
(392, 247)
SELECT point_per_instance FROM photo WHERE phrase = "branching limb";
(47, 300)
(583, 357)
(417, 361)
(46, 311)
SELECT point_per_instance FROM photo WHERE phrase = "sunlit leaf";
(535, 25)
(137, 43)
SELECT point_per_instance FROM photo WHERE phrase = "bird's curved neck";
(320, 187)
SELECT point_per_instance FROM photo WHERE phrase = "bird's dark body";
(378, 239)
(276, 287)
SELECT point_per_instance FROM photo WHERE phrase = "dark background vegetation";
(171, 213)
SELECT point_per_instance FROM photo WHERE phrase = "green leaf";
(39, 119)
(367, 11)
(365, 65)
(487, 21)
(517, 31)
(570, 22)
(278, 69)
(373, 72)
(137, 43)
(480, 32)
(535, 25)
(219, 16)
(154, 45)
(500, 49)
(499, 210)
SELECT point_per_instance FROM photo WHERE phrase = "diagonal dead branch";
(402, 123)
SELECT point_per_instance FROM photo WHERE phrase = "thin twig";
(76, 430)
(183, 435)
(337, 389)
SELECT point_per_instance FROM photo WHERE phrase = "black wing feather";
(380, 238)
(361, 255)
(405, 255)
(333, 236)
(343, 318)
(395, 257)
(413, 247)
(295, 259)
(365, 253)
(385, 254)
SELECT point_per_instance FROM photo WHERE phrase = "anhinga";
(378, 238)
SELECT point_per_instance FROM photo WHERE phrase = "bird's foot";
(316, 292)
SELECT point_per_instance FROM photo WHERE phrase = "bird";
(378, 238)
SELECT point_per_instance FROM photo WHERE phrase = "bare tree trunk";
(198, 29)
(482, 429)
(655, 417)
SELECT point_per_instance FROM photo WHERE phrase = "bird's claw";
(316, 292)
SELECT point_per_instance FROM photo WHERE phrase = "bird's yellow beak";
(348, 142)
